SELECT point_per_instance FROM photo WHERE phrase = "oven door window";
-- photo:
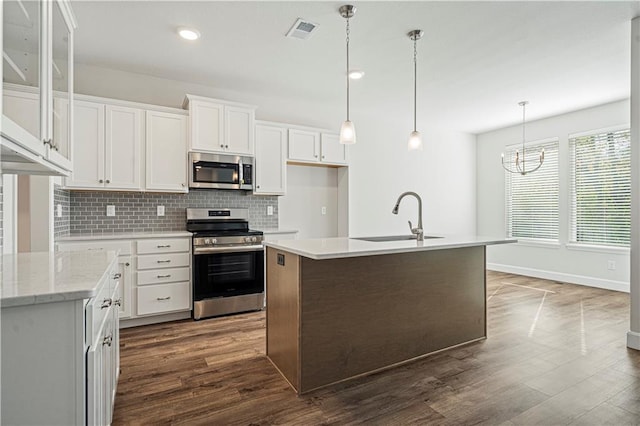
(228, 274)
(214, 172)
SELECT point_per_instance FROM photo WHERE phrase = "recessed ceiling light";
(189, 33)
(356, 74)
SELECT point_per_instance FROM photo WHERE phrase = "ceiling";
(476, 61)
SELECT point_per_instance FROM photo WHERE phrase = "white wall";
(381, 168)
(556, 262)
(308, 190)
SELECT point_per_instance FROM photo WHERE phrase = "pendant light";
(520, 166)
(347, 130)
(415, 139)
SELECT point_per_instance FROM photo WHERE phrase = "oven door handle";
(234, 249)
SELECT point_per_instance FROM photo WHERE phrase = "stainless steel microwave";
(218, 171)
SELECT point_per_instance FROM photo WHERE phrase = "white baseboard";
(633, 340)
(562, 277)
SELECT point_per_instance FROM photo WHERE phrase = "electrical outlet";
(160, 210)
(324, 210)
(611, 265)
(269, 210)
(111, 210)
(59, 210)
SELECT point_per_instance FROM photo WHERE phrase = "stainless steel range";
(228, 262)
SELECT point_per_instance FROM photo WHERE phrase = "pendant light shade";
(347, 130)
(347, 133)
(415, 139)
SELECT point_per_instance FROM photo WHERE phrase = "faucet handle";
(410, 226)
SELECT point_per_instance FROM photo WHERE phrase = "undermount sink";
(393, 238)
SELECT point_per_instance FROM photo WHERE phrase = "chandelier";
(519, 166)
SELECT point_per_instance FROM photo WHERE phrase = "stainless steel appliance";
(228, 262)
(220, 171)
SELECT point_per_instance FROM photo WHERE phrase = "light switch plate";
(111, 210)
(269, 210)
(160, 210)
(59, 210)
(324, 210)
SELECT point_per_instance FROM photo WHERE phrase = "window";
(532, 199)
(601, 188)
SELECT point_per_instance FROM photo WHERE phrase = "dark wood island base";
(336, 319)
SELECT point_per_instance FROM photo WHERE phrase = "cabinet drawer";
(169, 260)
(123, 246)
(160, 276)
(166, 245)
(155, 299)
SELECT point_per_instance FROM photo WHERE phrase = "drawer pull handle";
(117, 276)
(163, 298)
(164, 261)
(107, 340)
(117, 302)
(106, 303)
(165, 246)
(164, 276)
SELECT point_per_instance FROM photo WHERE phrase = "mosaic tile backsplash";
(137, 211)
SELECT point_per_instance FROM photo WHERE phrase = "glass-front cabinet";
(37, 86)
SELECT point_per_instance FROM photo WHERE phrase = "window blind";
(601, 188)
(532, 200)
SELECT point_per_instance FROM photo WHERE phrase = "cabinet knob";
(47, 142)
(316, 155)
(183, 185)
(258, 186)
(117, 276)
(221, 145)
(100, 181)
(106, 303)
(127, 264)
(108, 181)
(117, 302)
(226, 146)
(323, 157)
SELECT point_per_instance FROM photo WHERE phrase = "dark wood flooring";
(555, 355)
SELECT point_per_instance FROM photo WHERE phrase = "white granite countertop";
(124, 236)
(43, 277)
(277, 230)
(334, 248)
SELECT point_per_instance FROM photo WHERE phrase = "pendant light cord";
(348, 31)
(524, 106)
(415, 82)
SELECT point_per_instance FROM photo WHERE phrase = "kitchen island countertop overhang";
(333, 248)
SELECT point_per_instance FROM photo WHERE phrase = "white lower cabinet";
(155, 276)
(61, 360)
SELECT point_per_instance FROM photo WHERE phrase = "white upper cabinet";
(206, 120)
(88, 147)
(166, 152)
(220, 126)
(107, 151)
(270, 161)
(37, 60)
(304, 145)
(332, 151)
(123, 144)
(313, 146)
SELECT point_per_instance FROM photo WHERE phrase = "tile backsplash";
(137, 211)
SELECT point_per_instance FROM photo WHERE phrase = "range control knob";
(254, 239)
(214, 241)
(207, 241)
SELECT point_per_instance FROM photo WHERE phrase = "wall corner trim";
(633, 340)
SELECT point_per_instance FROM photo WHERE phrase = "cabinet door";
(304, 145)
(123, 148)
(95, 409)
(206, 124)
(61, 133)
(238, 130)
(270, 160)
(88, 146)
(166, 152)
(332, 150)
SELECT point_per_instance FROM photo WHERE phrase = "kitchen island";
(340, 308)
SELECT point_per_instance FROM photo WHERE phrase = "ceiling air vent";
(302, 29)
